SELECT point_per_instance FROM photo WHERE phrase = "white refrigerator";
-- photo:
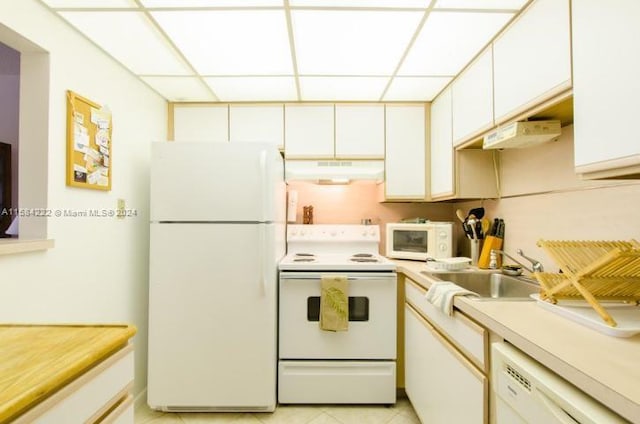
(217, 233)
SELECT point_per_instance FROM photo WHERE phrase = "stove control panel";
(331, 232)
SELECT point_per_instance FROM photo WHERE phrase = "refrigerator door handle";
(262, 255)
(265, 188)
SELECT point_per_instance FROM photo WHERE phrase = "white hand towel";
(441, 295)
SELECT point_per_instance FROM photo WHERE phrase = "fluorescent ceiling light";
(131, 39)
(91, 4)
(484, 4)
(238, 42)
(330, 42)
(210, 3)
(237, 89)
(449, 40)
(342, 88)
(362, 3)
(180, 89)
(415, 88)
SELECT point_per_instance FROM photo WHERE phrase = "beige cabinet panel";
(532, 58)
(442, 385)
(472, 99)
(441, 158)
(309, 131)
(201, 123)
(606, 67)
(457, 174)
(405, 152)
(257, 123)
(360, 131)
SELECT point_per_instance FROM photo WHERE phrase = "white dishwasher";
(528, 393)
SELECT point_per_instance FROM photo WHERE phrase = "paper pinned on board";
(80, 137)
(101, 117)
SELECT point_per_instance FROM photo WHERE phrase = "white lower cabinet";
(442, 385)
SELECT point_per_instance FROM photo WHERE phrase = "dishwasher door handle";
(560, 414)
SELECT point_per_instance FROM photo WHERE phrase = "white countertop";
(605, 367)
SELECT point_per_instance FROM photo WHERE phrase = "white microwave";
(419, 241)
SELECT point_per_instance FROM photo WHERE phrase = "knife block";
(490, 243)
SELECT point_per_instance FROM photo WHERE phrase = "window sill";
(12, 246)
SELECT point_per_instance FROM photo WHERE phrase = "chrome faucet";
(536, 266)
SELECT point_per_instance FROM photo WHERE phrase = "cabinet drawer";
(469, 337)
(337, 382)
(89, 397)
(121, 414)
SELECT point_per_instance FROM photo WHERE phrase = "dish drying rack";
(593, 270)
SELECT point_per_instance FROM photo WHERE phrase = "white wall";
(97, 272)
(9, 94)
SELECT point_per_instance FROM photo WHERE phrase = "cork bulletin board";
(88, 144)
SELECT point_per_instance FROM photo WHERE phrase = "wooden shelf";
(12, 246)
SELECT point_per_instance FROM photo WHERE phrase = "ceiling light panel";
(362, 3)
(180, 89)
(484, 4)
(91, 4)
(182, 4)
(330, 42)
(253, 89)
(231, 42)
(131, 39)
(342, 88)
(415, 88)
(449, 40)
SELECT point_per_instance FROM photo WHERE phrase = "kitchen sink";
(490, 286)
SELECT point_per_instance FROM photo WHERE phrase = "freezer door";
(212, 317)
(220, 182)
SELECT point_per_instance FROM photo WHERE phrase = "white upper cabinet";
(442, 177)
(257, 123)
(606, 66)
(201, 123)
(309, 131)
(405, 161)
(472, 99)
(532, 58)
(359, 131)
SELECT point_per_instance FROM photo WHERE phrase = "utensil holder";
(474, 251)
(490, 243)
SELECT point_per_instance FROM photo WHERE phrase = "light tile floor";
(400, 413)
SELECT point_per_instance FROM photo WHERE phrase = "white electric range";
(354, 366)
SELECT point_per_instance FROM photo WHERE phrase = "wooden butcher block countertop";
(38, 360)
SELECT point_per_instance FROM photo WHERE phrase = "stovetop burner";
(362, 259)
(334, 248)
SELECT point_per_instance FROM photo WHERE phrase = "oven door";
(372, 318)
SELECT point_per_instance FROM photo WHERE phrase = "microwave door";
(409, 241)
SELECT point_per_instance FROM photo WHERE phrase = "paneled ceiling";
(291, 50)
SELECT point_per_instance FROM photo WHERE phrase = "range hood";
(337, 171)
(522, 134)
